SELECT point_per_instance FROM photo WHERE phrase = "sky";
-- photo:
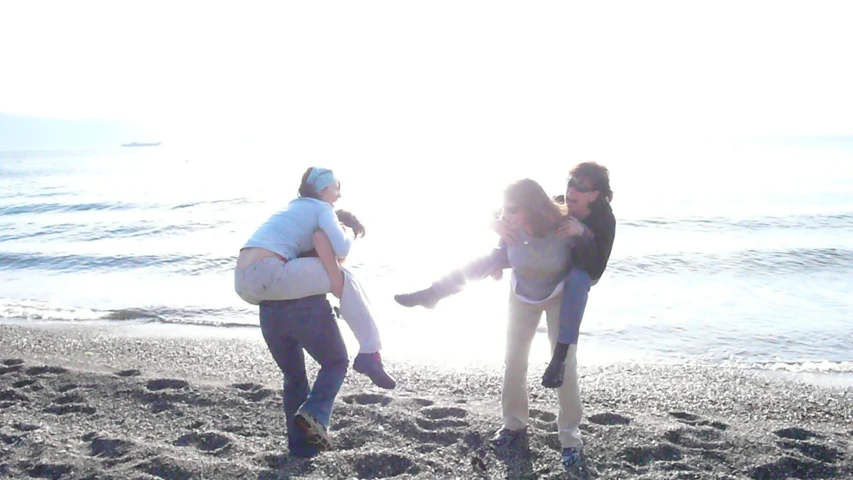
(485, 78)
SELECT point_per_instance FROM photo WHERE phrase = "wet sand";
(97, 403)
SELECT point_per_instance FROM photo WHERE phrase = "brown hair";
(543, 213)
(598, 176)
(350, 220)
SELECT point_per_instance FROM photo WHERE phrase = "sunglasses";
(578, 186)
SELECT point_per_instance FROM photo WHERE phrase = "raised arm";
(340, 239)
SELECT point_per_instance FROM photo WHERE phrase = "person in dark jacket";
(591, 221)
(588, 196)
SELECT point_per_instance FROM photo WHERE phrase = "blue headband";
(321, 178)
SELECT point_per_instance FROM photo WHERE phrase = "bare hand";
(572, 227)
(497, 274)
(507, 234)
(338, 285)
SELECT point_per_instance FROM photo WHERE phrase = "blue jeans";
(575, 293)
(288, 327)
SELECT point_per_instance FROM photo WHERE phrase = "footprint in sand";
(165, 384)
(608, 418)
(68, 409)
(440, 424)
(129, 373)
(210, 442)
(67, 388)
(47, 470)
(543, 420)
(67, 404)
(253, 391)
(814, 451)
(695, 437)
(104, 447)
(439, 413)
(791, 467)
(795, 433)
(13, 396)
(165, 467)
(69, 399)
(542, 415)
(24, 383)
(25, 427)
(383, 465)
(642, 456)
(44, 370)
(11, 365)
(9, 439)
(367, 399)
(690, 419)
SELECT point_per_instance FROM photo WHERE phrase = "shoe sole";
(314, 432)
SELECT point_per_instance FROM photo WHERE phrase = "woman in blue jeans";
(289, 327)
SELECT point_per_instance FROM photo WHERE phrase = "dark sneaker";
(570, 457)
(505, 438)
(370, 364)
(315, 432)
(424, 298)
(553, 376)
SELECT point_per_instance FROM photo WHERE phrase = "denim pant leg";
(319, 335)
(275, 318)
(575, 293)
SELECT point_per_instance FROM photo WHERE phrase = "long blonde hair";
(543, 213)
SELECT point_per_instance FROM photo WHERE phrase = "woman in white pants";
(270, 266)
(540, 261)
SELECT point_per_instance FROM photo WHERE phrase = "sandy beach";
(84, 402)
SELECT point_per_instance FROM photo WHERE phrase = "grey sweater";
(539, 264)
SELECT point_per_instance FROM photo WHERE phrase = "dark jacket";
(592, 255)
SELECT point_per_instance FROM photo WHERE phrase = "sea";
(736, 253)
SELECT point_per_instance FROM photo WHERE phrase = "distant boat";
(137, 144)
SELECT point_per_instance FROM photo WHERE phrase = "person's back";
(289, 231)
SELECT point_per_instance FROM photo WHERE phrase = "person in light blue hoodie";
(272, 265)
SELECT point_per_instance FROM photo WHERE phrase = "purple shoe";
(370, 364)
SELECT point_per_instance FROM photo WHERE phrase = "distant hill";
(23, 132)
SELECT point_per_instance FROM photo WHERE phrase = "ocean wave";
(11, 309)
(230, 201)
(108, 231)
(743, 262)
(815, 366)
(752, 262)
(65, 207)
(709, 224)
(185, 264)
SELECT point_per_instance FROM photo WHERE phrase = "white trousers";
(523, 320)
(274, 279)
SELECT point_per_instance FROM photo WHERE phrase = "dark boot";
(370, 364)
(553, 376)
(427, 298)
